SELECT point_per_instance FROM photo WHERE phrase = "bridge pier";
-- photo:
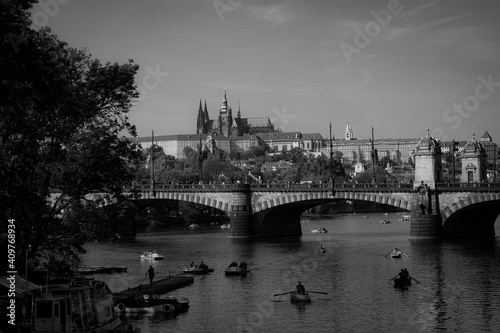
(426, 221)
(241, 216)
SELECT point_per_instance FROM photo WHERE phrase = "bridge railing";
(469, 186)
(276, 186)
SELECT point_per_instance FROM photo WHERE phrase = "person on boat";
(203, 266)
(401, 275)
(407, 276)
(192, 265)
(323, 250)
(301, 290)
(151, 273)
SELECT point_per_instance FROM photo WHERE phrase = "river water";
(459, 287)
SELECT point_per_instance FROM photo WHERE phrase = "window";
(44, 309)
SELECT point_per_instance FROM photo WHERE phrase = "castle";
(230, 126)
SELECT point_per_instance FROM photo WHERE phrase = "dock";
(160, 286)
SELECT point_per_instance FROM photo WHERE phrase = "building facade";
(174, 145)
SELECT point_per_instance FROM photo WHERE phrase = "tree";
(63, 121)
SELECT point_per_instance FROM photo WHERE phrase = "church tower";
(225, 117)
(348, 132)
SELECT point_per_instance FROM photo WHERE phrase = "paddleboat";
(86, 306)
(151, 255)
(296, 297)
(151, 304)
(236, 271)
(200, 270)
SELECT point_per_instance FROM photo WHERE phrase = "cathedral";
(230, 126)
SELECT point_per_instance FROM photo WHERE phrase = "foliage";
(63, 121)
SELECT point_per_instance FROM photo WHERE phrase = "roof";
(280, 136)
(312, 136)
(257, 122)
(21, 284)
(486, 135)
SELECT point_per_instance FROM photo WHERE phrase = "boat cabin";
(75, 308)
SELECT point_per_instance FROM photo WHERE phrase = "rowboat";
(319, 231)
(225, 226)
(385, 222)
(396, 253)
(197, 270)
(236, 271)
(402, 283)
(296, 297)
(193, 226)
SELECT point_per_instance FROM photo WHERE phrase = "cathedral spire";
(206, 112)
(238, 114)
(200, 121)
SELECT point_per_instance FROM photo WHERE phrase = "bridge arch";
(460, 218)
(221, 201)
(395, 199)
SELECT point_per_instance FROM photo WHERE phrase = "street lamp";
(332, 175)
(373, 157)
(153, 164)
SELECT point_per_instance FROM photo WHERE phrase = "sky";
(400, 66)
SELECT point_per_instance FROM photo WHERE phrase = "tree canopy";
(63, 123)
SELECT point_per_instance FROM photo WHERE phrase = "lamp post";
(332, 175)
(373, 157)
(153, 191)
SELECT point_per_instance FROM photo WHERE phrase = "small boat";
(236, 271)
(396, 253)
(319, 231)
(296, 297)
(86, 270)
(405, 217)
(385, 222)
(84, 307)
(402, 283)
(151, 304)
(193, 226)
(151, 255)
(198, 270)
(225, 226)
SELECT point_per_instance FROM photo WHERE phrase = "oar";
(393, 278)
(415, 279)
(317, 292)
(388, 254)
(407, 254)
(283, 293)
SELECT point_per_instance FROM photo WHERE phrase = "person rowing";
(301, 290)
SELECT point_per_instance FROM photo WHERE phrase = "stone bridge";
(446, 210)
